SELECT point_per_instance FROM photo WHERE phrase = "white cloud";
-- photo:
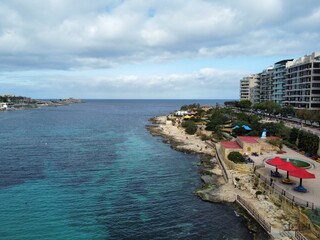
(204, 83)
(84, 36)
(62, 32)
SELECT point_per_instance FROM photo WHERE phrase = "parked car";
(255, 154)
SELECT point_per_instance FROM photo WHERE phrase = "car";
(255, 154)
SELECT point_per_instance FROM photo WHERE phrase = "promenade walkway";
(313, 130)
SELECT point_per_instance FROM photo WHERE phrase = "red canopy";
(276, 161)
(288, 166)
(302, 173)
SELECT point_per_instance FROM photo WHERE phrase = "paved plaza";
(312, 185)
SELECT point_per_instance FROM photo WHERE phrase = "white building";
(247, 85)
(302, 82)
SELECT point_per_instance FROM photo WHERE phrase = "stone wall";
(240, 167)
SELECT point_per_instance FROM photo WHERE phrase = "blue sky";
(148, 49)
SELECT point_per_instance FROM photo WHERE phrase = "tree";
(317, 117)
(276, 142)
(190, 106)
(231, 103)
(269, 106)
(217, 118)
(285, 111)
(294, 135)
(244, 104)
(235, 157)
(308, 142)
(191, 128)
(240, 131)
(302, 114)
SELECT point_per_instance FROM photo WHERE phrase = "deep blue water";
(92, 171)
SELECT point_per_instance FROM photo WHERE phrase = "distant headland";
(13, 102)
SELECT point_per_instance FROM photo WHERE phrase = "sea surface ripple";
(92, 171)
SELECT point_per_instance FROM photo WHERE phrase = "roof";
(272, 137)
(254, 139)
(248, 139)
(246, 127)
(230, 144)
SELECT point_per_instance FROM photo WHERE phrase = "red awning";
(302, 173)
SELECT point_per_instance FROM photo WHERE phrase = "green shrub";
(276, 142)
(185, 124)
(258, 193)
(308, 142)
(287, 143)
(294, 135)
(191, 128)
(235, 157)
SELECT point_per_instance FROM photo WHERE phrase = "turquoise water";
(92, 171)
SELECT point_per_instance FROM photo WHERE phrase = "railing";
(221, 163)
(284, 194)
(254, 213)
(298, 235)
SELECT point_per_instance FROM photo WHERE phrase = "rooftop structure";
(247, 144)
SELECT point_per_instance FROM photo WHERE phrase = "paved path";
(313, 130)
(313, 194)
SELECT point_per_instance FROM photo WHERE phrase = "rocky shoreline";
(40, 103)
(210, 172)
(214, 188)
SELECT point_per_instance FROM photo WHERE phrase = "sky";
(148, 49)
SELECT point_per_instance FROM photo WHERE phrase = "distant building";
(247, 85)
(278, 81)
(265, 86)
(288, 82)
(302, 82)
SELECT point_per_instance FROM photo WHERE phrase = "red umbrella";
(289, 167)
(276, 162)
(302, 173)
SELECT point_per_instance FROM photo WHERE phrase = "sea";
(93, 171)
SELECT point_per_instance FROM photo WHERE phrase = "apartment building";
(288, 82)
(278, 80)
(302, 82)
(247, 85)
(265, 86)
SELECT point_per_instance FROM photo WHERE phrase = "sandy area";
(241, 185)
